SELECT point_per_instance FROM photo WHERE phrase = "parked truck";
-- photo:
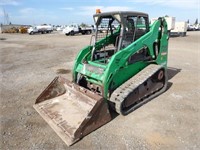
(194, 27)
(40, 29)
(75, 29)
(180, 29)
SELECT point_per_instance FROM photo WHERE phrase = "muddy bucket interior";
(72, 111)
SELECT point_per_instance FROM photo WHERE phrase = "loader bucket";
(72, 111)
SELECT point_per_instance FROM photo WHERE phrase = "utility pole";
(6, 17)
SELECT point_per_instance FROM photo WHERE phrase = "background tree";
(83, 25)
(196, 22)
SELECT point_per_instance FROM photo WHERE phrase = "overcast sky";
(60, 12)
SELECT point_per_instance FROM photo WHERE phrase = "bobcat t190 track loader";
(123, 67)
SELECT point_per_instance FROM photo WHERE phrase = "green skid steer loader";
(124, 66)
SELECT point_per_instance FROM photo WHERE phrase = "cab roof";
(121, 13)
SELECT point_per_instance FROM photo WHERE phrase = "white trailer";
(40, 29)
(180, 29)
(170, 22)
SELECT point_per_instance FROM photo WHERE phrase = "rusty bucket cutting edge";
(72, 111)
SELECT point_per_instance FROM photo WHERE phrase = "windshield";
(107, 26)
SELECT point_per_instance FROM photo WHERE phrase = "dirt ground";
(29, 64)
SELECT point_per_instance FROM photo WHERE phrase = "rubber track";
(126, 88)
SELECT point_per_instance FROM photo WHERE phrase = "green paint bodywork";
(118, 70)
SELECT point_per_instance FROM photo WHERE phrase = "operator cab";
(115, 31)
